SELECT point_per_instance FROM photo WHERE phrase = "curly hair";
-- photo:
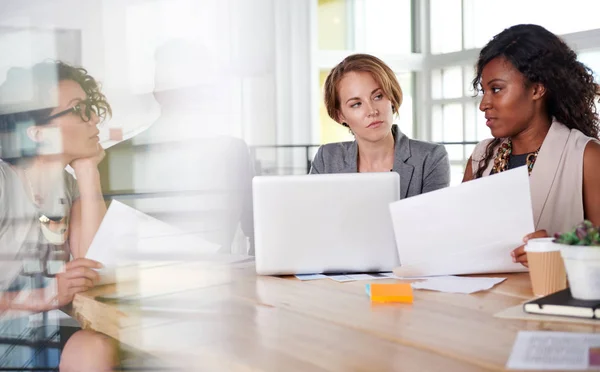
(544, 58)
(25, 100)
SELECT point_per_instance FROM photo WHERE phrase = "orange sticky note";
(394, 292)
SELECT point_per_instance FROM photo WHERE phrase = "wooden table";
(201, 316)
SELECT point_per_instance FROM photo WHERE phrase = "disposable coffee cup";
(546, 266)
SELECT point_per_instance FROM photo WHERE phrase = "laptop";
(326, 223)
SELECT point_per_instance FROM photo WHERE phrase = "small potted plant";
(580, 249)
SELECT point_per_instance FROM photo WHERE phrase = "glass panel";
(455, 152)
(453, 123)
(387, 25)
(483, 132)
(469, 151)
(592, 60)
(468, 75)
(436, 84)
(456, 174)
(452, 82)
(446, 27)
(481, 23)
(470, 122)
(331, 131)
(437, 124)
(405, 117)
(333, 23)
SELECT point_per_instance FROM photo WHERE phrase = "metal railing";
(261, 169)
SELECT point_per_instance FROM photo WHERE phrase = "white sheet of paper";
(541, 350)
(306, 277)
(466, 229)
(341, 278)
(126, 234)
(457, 284)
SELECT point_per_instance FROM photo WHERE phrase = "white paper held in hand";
(466, 229)
(127, 234)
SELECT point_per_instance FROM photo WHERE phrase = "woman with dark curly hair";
(48, 119)
(538, 101)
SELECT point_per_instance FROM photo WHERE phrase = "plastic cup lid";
(541, 245)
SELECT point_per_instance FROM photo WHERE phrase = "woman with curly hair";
(538, 101)
(48, 119)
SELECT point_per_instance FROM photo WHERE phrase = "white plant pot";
(583, 270)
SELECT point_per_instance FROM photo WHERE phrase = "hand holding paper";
(127, 235)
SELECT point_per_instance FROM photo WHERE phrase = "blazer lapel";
(351, 159)
(546, 167)
(401, 154)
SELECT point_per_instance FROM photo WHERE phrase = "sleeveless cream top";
(556, 181)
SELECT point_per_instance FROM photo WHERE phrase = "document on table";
(348, 277)
(466, 229)
(555, 351)
(127, 235)
(341, 278)
(457, 284)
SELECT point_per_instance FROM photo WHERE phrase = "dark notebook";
(563, 304)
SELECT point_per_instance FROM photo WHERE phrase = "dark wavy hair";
(25, 100)
(544, 58)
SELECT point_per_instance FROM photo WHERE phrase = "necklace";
(54, 230)
(503, 157)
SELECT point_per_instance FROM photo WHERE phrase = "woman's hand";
(78, 276)
(90, 162)
(519, 255)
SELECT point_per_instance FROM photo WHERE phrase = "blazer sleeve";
(436, 170)
(318, 164)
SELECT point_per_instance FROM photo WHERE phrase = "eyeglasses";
(84, 109)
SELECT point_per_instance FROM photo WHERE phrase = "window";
(445, 26)
(334, 25)
(386, 26)
(457, 25)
